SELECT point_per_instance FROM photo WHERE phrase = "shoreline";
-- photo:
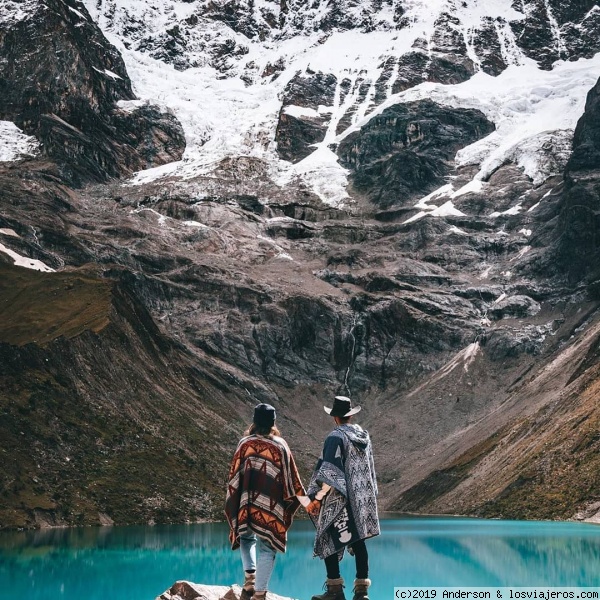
(384, 515)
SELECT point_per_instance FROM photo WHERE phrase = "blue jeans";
(266, 559)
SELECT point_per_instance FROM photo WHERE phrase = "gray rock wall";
(60, 80)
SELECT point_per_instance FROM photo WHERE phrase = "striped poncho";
(262, 489)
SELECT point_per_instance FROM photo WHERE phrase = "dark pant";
(332, 564)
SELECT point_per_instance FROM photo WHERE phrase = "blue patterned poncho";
(349, 511)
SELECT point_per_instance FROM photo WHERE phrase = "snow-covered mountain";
(287, 83)
(379, 198)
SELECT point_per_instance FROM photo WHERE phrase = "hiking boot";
(259, 595)
(335, 590)
(248, 587)
(361, 589)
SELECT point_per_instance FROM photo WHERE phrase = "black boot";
(335, 590)
(361, 589)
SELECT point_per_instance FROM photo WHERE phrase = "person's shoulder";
(279, 441)
(241, 443)
(334, 435)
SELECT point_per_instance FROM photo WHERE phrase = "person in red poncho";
(263, 493)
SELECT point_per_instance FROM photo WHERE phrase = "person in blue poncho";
(343, 506)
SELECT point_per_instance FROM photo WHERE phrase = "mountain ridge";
(288, 253)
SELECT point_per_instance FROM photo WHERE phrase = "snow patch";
(14, 144)
(281, 252)
(12, 11)
(473, 187)
(485, 273)
(300, 111)
(281, 220)
(454, 229)
(445, 210)
(131, 105)
(196, 224)
(327, 177)
(522, 252)
(469, 355)
(107, 73)
(25, 261)
(465, 358)
(513, 210)
(162, 219)
(111, 74)
(423, 203)
(77, 12)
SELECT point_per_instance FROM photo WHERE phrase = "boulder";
(185, 590)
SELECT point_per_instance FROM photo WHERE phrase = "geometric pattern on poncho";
(261, 491)
(347, 465)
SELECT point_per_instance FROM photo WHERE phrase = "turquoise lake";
(138, 563)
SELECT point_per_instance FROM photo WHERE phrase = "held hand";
(314, 508)
(322, 492)
(304, 500)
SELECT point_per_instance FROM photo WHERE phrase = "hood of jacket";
(356, 434)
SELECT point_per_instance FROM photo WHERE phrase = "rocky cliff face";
(379, 200)
(579, 210)
(61, 81)
(408, 150)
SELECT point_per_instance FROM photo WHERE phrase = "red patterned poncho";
(262, 490)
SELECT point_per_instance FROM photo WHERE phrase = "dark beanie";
(264, 415)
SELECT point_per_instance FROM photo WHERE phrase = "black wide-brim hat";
(342, 407)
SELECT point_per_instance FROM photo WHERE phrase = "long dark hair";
(254, 429)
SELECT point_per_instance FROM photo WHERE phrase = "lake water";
(138, 563)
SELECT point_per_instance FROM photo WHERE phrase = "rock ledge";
(184, 590)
